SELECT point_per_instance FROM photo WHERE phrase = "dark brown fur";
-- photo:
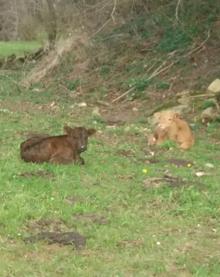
(62, 149)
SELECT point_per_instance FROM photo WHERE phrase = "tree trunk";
(51, 25)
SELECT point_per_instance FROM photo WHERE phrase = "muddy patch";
(180, 162)
(65, 238)
(126, 153)
(156, 182)
(46, 225)
(130, 243)
(152, 161)
(53, 231)
(72, 200)
(38, 173)
(91, 218)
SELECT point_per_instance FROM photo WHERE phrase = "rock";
(200, 173)
(181, 109)
(208, 115)
(209, 165)
(214, 86)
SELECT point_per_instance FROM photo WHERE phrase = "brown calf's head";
(80, 136)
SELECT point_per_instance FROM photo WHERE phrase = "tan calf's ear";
(67, 130)
(91, 131)
(177, 115)
(157, 115)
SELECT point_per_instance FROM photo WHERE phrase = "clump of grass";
(174, 38)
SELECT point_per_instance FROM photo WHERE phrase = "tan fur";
(170, 126)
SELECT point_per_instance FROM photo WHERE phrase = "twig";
(198, 47)
(177, 10)
(151, 66)
(113, 11)
(108, 20)
(124, 94)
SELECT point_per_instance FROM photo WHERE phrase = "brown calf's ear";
(91, 131)
(67, 129)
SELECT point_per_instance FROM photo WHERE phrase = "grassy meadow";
(135, 225)
(19, 47)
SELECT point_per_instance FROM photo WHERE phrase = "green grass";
(148, 231)
(8, 48)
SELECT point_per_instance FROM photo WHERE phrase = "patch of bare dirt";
(91, 218)
(152, 161)
(46, 225)
(156, 182)
(130, 243)
(39, 173)
(53, 231)
(126, 153)
(72, 200)
(180, 162)
(62, 238)
(121, 113)
(28, 107)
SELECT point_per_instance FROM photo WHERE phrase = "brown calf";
(62, 149)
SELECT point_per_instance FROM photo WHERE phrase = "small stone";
(214, 86)
(209, 165)
(52, 104)
(209, 114)
(200, 173)
(82, 105)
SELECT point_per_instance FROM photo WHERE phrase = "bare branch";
(195, 49)
(113, 11)
(177, 10)
(108, 20)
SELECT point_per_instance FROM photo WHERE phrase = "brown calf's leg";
(59, 158)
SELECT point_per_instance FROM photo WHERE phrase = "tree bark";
(52, 24)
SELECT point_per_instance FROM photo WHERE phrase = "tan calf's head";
(165, 118)
(80, 136)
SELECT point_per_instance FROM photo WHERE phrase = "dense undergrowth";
(183, 46)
